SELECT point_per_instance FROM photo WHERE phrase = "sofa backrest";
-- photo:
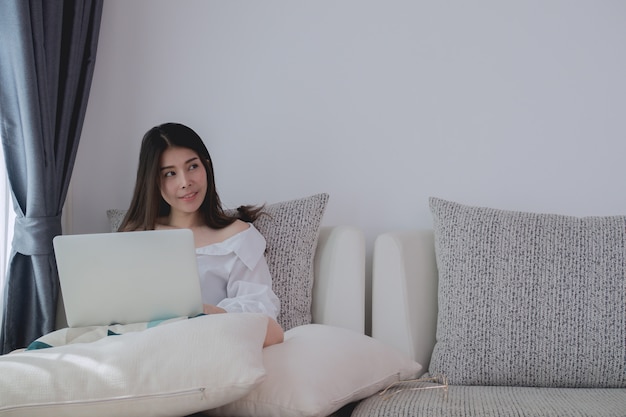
(404, 292)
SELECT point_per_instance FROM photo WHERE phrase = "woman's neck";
(184, 220)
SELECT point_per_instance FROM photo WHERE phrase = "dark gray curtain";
(47, 57)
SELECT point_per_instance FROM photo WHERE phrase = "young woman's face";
(183, 180)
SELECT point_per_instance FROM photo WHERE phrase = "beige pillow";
(318, 370)
(176, 369)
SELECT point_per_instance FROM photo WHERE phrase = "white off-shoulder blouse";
(234, 274)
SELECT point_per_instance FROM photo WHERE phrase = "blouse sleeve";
(249, 286)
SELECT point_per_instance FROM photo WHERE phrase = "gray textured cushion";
(291, 229)
(115, 217)
(529, 299)
(473, 401)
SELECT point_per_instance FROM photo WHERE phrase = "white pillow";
(318, 370)
(176, 369)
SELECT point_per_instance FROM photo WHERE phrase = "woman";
(175, 188)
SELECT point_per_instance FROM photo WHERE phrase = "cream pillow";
(318, 370)
(176, 369)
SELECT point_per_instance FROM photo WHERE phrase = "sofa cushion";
(529, 299)
(291, 230)
(489, 401)
(175, 369)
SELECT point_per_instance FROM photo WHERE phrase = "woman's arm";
(273, 335)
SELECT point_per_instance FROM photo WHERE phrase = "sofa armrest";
(404, 292)
(339, 284)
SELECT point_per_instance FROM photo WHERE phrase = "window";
(7, 218)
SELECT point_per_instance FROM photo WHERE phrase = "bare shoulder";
(237, 226)
(231, 230)
(205, 236)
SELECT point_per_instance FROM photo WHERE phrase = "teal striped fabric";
(90, 334)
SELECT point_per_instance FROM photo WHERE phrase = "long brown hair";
(147, 204)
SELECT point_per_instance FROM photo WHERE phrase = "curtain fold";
(47, 58)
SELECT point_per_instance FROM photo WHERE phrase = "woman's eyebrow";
(186, 162)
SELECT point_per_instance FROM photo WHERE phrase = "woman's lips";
(189, 196)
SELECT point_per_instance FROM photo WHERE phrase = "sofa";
(215, 365)
(511, 314)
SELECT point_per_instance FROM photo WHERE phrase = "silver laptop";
(128, 277)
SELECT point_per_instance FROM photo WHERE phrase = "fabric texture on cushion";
(489, 401)
(317, 370)
(115, 217)
(529, 299)
(175, 369)
(291, 230)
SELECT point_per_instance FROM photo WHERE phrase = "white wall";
(517, 104)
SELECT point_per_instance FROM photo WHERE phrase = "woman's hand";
(275, 333)
(211, 309)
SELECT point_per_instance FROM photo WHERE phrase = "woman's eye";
(193, 166)
(169, 174)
